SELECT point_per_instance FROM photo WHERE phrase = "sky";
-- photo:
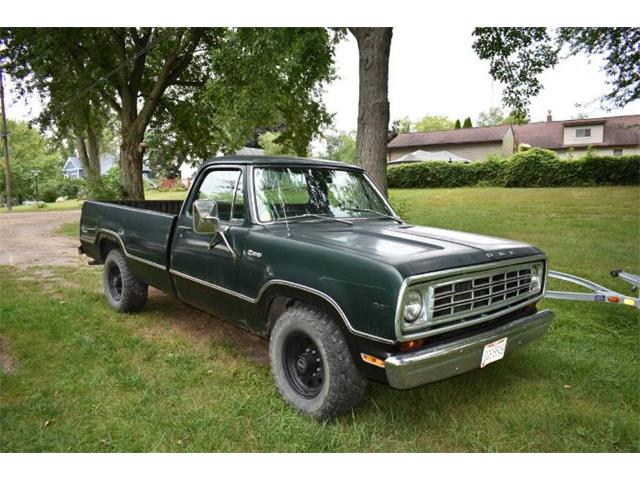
(434, 70)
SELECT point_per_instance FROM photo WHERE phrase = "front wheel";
(312, 365)
(125, 293)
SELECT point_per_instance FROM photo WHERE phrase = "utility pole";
(5, 144)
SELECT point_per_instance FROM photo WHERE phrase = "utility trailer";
(598, 292)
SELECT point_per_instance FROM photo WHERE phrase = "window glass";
(583, 132)
(298, 192)
(220, 185)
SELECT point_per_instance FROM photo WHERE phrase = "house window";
(583, 132)
(617, 152)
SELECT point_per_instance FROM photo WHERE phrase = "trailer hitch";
(598, 293)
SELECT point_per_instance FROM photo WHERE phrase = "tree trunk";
(89, 158)
(374, 46)
(93, 143)
(131, 154)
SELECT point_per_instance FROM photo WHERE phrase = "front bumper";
(410, 370)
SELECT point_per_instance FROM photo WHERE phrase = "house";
(469, 143)
(73, 167)
(607, 135)
(187, 169)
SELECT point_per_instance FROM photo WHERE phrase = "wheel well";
(284, 298)
(106, 245)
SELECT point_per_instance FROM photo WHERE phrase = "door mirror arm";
(206, 221)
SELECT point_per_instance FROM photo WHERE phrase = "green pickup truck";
(310, 255)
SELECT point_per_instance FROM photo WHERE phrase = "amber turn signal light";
(411, 345)
(372, 360)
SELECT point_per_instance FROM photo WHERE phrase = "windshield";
(304, 192)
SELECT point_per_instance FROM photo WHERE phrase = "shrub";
(49, 191)
(534, 167)
(107, 187)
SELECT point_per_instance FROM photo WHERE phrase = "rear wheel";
(125, 293)
(312, 365)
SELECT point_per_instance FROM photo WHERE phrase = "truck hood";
(411, 249)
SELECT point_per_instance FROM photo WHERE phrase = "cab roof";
(263, 160)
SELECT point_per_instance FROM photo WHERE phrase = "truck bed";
(143, 228)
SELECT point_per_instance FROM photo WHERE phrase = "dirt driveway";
(28, 239)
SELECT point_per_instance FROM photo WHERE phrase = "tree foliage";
(467, 123)
(488, 118)
(29, 152)
(457, 125)
(518, 56)
(205, 89)
(342, 147)
(430, 123)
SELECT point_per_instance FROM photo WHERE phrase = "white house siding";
(580, 151)
(597, 134)
(470, 151)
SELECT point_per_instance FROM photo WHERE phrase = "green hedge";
(535, 167)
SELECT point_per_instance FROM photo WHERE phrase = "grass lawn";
(76, 204)
(79, 377)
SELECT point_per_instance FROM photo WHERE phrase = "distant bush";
(534, 167)
(107, 187)
(53, 188)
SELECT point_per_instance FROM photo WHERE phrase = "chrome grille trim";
(451, 274)
(470, 295)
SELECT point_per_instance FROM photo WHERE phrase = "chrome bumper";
(409, 370)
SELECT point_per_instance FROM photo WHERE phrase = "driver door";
(203, 267)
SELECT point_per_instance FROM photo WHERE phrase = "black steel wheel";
(303, 365)
(312, 365)
(115, 282)
(124, 292)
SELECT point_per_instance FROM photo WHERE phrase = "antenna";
(284, 209)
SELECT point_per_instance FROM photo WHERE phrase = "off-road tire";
(133, 292)
(343, 385)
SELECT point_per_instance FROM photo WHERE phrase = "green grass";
(49, 207)
(68, 229)
(102, 381)
(77, 204)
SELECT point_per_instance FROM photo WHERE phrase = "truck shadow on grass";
(202, 327)
(444, 397)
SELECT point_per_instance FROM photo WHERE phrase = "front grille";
(464, 297)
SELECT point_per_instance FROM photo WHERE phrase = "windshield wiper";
(320, 217)
(369, 210)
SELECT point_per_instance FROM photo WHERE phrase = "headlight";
(536, 279)
(413, 306)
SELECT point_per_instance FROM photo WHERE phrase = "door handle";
(181, 230)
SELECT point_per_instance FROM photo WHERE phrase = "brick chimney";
(549, 118)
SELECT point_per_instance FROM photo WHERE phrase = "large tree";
(206, 87)
(374, 47)
(518, 56)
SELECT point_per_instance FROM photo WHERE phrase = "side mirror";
(205, 217)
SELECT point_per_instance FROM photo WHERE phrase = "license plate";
(493, 352)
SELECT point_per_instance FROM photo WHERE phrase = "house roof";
(422, 156)
(72, 163)
(450, 137)
(618, 131)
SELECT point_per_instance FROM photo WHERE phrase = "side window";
(220, 185)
